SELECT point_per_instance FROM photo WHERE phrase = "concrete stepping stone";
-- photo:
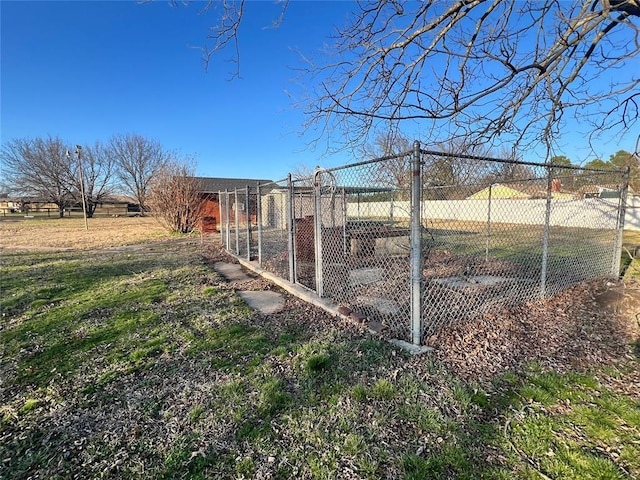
(264, 302)
(231, 271)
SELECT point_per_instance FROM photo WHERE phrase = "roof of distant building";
(215, 185)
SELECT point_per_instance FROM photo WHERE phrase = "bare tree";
(302, 175)
(138, 160)
(512, 170)
(461, 163)
(40, 168)
(98, 171)
(495, 71)
(175, 197)
(396, 171)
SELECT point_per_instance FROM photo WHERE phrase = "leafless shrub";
(174, 197)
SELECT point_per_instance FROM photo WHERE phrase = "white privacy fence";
(632, 217)
(579, 213)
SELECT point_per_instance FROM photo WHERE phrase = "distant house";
(210, 188)
(117, 205)
(26, 205)
(9, 205)
(521, 191)
(601, 191)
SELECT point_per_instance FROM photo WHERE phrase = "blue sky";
(85, 71)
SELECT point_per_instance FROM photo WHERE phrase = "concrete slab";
(265, 302)
(383, 305)
(410, 347)
(365, 276)
(231, 271)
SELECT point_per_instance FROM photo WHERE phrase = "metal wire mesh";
(365, 242)
(273, 246)
(500, 234)
(303, 232)
(492, 234)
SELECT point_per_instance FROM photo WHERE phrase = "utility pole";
(78, 154)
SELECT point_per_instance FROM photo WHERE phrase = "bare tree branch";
(225, 34)
(497, 71)
(138, 160)
(41, 169)
(494, 71)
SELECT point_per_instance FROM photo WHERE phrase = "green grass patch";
(571, 426)
(383, 389)
(113, 310)
(145, 365)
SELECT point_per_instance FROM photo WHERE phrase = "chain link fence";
(418, 241)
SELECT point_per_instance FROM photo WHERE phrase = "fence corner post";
(317, 214)
(259, 222)
(221, 217)
(291, 231)
(545, 236)
(227, 208)
(416, 259)
(236, 210)
(622, 213)
(247, 215)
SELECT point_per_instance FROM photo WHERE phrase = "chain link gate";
(423, 239)
(365, 246)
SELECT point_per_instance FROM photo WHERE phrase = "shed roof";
(216, 184)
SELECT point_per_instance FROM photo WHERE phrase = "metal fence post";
(416, 259)
(227, 207)
(622, 211)
(545, 238)
(237, 219)
(247, 215)
(291, 231)
(486, 252)
(259, 222)
(317, 214)
(221, 217)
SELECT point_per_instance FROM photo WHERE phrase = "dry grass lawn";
(47, 234)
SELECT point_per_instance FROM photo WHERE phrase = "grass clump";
(317, 363)
(29, 404)
(383, 389)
